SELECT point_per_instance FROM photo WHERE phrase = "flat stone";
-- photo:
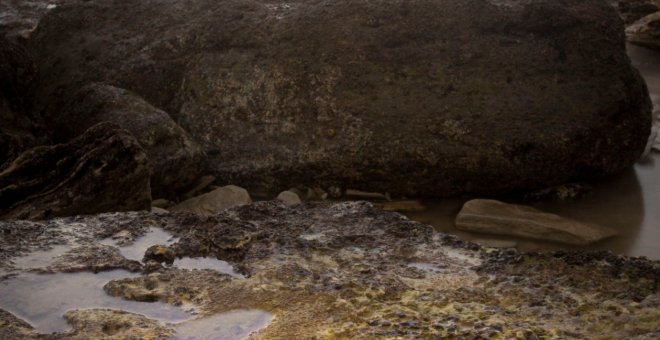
(215, 201)
(494, 217)
(645, 31)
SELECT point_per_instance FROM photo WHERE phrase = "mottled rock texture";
(105, 169)
(174, 159)
(348, 270)
(431, 98)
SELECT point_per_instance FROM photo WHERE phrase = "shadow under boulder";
(105, 169)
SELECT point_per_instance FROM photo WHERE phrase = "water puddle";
(41, 258)
(201, 263)
(42, 299)
(237, 324)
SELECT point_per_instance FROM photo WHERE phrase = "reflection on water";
(41, 258)
(629, 203)
(42, 299)
(207, 263)
(232, 325)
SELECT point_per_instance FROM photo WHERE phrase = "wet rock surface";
(349, 270)
(388, 97)
(105, 169)
(495, 217)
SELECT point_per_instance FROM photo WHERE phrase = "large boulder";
(423, 97)
(175, 160)
(18, 126)
(105, 169)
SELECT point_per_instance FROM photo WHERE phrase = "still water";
(629, 203)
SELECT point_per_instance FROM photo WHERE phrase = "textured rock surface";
(215, 201)
(102, 170)
(348, 270)
(417, 98)
(495, 217)
(174, 159)
(17, 126)
(112, 324)
(646, 31)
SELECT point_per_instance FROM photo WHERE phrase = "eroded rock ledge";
(347, 269)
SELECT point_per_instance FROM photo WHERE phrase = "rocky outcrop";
(105, 169)
(495, 217)
(429, 98)
(18, 126)
(175, 160)
(348, 270)
(646, 31)
(215, 201)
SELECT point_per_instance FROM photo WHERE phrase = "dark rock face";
(104, 169)
(417, 98)
(17, 125)
(175, 160)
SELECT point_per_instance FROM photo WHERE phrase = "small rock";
(215, 201)
(159, 211)
(162, 203)
(289, 197)
(159, 254)
(494, 217)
